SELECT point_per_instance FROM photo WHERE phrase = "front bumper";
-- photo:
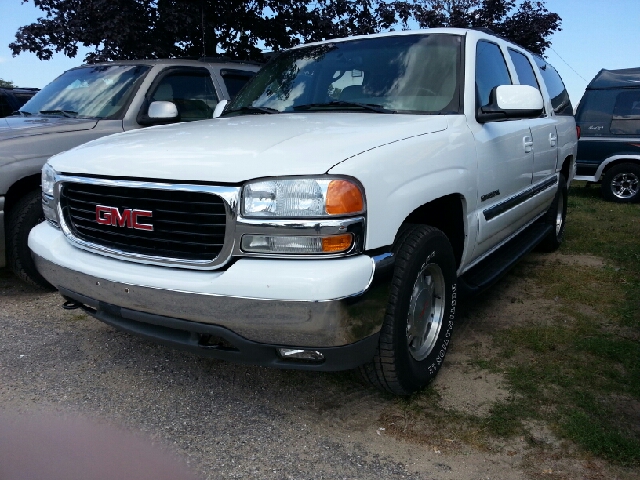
(316, 304)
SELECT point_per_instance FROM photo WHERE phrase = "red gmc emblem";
(129, 218)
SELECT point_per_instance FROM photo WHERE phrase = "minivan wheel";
(621, 183)
(25, 214)
(420, 314)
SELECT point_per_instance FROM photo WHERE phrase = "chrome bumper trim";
(289, 323)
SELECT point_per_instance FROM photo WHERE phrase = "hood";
(15, 126)
(233, 150)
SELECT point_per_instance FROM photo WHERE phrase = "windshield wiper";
(374, 107)
(252, 109)
(66, 113)
(23, 112)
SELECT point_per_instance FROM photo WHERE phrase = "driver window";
(192, 93)
(491, 71)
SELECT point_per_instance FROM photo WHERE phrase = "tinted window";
(523, 69)
(491, 71)
(555, 88)
(5, 108)
(405, 73)
(595, 110)
(234, 80)
(192, 93)
(626, 113)
(22, 98)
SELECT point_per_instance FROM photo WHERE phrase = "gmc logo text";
(129, 218)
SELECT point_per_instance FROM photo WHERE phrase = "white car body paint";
(270, 279)
(504, 172)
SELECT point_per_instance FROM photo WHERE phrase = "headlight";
(48, 201)
(302, 197)
(48, 179)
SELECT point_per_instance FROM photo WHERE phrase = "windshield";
(407, 74)
(96, 92)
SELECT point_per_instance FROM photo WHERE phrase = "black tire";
(556, 216)
(25, 214)
(424, 274)
(621, 183)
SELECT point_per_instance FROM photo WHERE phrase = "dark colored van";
(11, 99)
(609, 146)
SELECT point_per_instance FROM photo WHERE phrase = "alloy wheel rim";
(426, 311)
(625, 185)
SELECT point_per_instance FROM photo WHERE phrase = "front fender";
(402, 176)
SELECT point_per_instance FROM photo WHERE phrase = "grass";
(580, 372)
(577, 370)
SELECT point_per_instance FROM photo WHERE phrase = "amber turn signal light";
(337, 243)
(343, 198)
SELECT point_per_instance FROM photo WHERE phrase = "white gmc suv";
(332, 215)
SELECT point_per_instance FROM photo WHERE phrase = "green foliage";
(6, 84)
(130, 29)
(528, 25)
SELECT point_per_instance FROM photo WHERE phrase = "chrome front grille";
(184, 224)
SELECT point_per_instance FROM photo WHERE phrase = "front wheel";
(621, 183)
(420, 314)
(25, 214)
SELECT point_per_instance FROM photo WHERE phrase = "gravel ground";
(223, 420)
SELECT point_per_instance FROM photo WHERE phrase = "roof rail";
(224, 59)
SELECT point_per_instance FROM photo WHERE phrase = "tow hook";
(71, 305)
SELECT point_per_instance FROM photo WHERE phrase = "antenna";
(204, 49)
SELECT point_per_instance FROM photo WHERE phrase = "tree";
(6, 84)
(128, 29)
(528, 25)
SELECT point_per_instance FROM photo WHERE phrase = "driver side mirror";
(511, 101)
(162, 110)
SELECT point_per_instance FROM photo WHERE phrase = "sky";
(595, 34)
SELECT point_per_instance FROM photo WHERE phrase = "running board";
(489, 270)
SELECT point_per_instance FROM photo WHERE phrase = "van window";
(557, 92)
(5, 108)
(626, 113)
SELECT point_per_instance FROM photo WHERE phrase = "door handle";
(553, 139)
(528, 144)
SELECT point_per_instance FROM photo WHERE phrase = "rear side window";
(557, 92)
(626, 113)
(491, 71)
(523, 69)
(234, 80)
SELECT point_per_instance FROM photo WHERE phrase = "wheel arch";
(567, 168)
(20, 189)
(619, 160)
(452, 223)
(613, 161)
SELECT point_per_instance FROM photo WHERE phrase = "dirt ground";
(231, 421)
